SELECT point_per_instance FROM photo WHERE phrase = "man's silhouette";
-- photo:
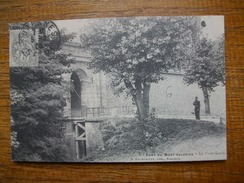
(197, 105)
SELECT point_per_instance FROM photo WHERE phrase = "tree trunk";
(206, 101)
(142, 102)
(146, 90)
(140, 93)
(142, 99)
(141, 108)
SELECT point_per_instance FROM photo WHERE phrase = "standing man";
(196, 103)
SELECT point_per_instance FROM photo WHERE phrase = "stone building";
(86, 89)
(84, 97)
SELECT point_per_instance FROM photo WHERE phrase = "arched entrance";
(75, 94)
(78, 93)
(77, 87)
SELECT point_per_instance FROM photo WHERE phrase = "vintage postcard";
(134, 89)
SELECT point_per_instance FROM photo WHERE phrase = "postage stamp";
(27, 40)
(23, 49)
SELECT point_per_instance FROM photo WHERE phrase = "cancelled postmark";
(27, 40)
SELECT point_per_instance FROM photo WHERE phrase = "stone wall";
(172, 97)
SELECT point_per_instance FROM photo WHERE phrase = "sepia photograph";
(129, 89)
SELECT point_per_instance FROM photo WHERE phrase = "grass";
(123, 137)
(181, 129)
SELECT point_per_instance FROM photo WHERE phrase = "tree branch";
(130, 87)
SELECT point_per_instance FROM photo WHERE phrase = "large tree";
(37, 104)
(207, 67)
(136, 52)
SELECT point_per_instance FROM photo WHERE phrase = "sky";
(214, 26)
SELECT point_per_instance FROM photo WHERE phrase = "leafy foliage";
(137, 51)
(37, 105)
(122, 135)
(207, 68)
